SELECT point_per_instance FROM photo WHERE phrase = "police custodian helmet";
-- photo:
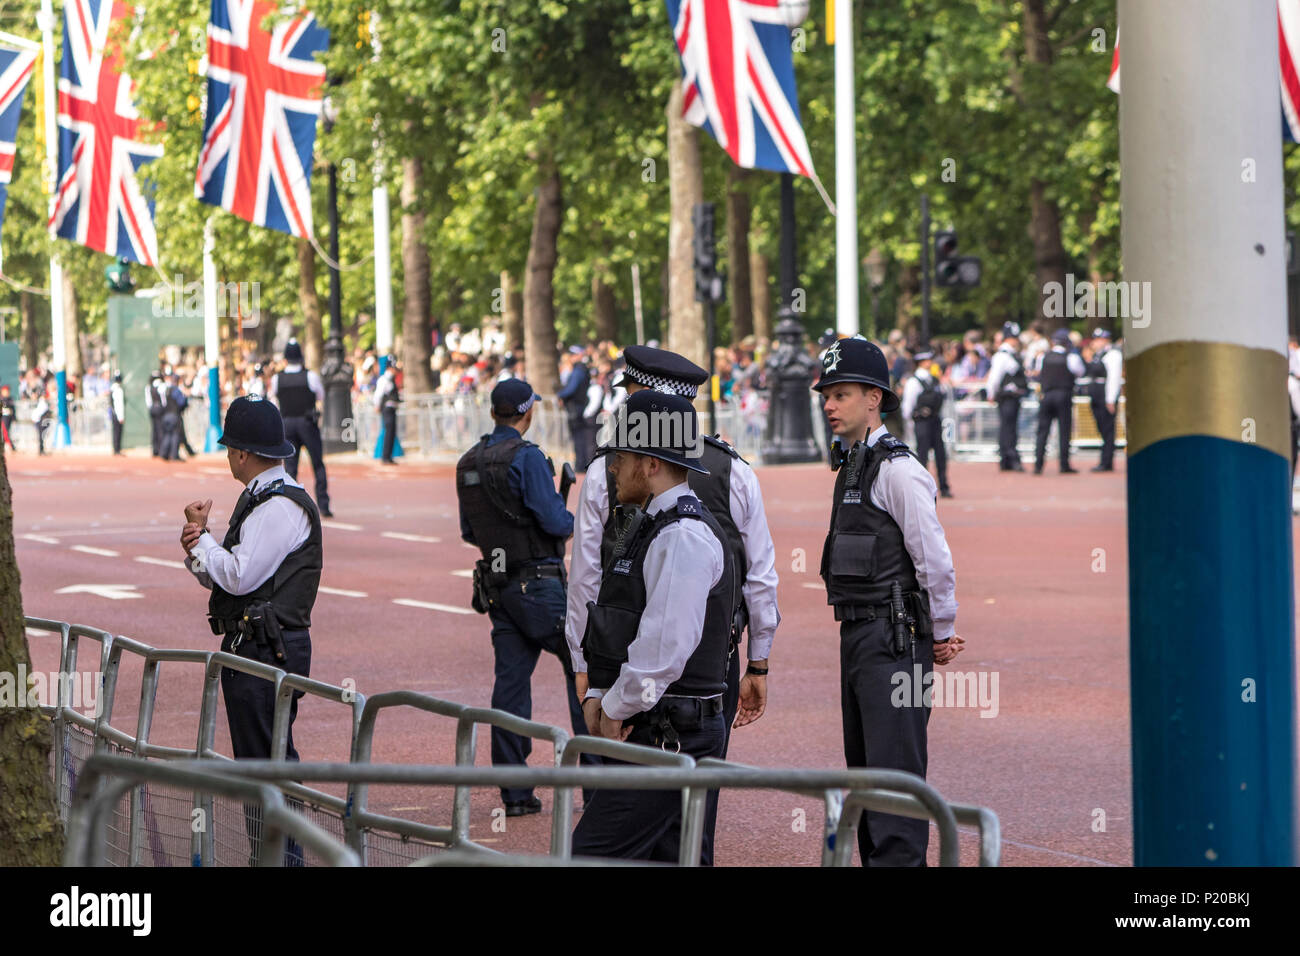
(858, 360)
(254, 425)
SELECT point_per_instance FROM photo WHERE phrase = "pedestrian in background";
(117, 411)
(387, 399)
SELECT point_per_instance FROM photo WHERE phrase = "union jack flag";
(99, 202)
(264, 95)
(1288, 46)
(16, 64)
(738, 79)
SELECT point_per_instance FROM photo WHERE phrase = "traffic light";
(708, 282)
(118, 275)
(952, 271)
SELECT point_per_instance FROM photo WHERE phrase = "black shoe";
(326, 513)
(1067, 470)
(1103, 468)
(520, 808)
(1017, 467)
(945, 493)
(1038, 469)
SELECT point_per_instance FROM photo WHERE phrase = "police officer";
(117, 411)
(1101, 378)
(1008, 385)
(885, 559)
(297, 390)
(732, 495)
(174, 402)
(510, 510)
(155, 401)
(263, 577)
(1056, 378)
(923, 397)
(657, 638)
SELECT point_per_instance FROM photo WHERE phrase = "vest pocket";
(609, 632)
(853, 555)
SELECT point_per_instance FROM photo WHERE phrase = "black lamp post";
(339, 433)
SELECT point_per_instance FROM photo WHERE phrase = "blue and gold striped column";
(1211, 597)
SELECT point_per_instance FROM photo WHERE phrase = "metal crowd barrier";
(97, 768)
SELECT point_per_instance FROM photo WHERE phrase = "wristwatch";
(756, 671)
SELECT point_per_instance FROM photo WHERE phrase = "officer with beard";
(890, 578)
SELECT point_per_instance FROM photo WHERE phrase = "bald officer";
(731, 493)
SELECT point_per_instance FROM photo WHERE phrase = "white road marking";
(161, 562)
(418, 538)
(340, 526)
(114, 592)
(429, 605)
(43, 539)
(102, 552)
(815, 587)
(465, 573)
(341, 592)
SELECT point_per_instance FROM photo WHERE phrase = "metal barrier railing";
(648, 768)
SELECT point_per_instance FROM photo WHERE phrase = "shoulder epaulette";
(894, 447)
(717, 442)
(689, 505)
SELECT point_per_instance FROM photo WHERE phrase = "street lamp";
(875, 263)
(336, 372)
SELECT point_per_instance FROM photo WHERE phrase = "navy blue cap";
(659, 424)
(254, 425)
(1100, 333)
(661, 370)
(1061, 337)
(1010, 330)
(513, 396)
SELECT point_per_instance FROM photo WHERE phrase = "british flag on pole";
(738, 78)
(17, 59)
(99, 201)
(264, 96)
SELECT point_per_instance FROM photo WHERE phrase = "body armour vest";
(1016, 378)
(1096, 370)
(613, 619)
(291, 588)
(295, 396)
(714, 492)
(497, 516)
(864, 552)
(1056, 374)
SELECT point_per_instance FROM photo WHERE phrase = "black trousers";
(647, 824)
(1054, 406)
(304, 433)
(1008, 431)
(250, 711)
(117, 435)
(530, 620)
(881, 735)
(388, 418)
(155, 431)
(169, 445)
(1106, 425)
(584, 444)
(929, 434)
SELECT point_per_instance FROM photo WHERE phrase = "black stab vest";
(864, 551)
(613, 618)
(1096, 370)
(291, 588)
(714, 492)
(497, 516)
(1056, 374)
(295, 396)
(1016, 378)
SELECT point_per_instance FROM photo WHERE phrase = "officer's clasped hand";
(197, 512)
(947, 650)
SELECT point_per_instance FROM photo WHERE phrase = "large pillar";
(1209, 492)
(846, 175)
(211, 336)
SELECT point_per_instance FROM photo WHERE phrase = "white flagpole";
(846, 175)
(59, 358)
(211, 335)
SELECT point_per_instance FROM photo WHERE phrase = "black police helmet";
(254, 425)
(858, 360)
(293, 351)
(659, 424)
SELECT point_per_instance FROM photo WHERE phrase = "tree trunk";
(72, 331)
(742, 318)
(416, 302)
(30, 831)
(760, 295)
(686, 330)
(604, 307)
(513, 317)
(313, 337)
(909, 288)
(30, 333)
(539, 293)
(1044, 216)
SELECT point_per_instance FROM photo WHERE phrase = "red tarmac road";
(1041, 580)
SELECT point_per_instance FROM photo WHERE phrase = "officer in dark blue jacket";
(510, 510)
(574, 396)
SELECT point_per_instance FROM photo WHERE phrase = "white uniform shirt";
(747, 512)
(385, 385)
(1004, 365)
(1114, 362)
(275, 529)
(912, 389)
(118, 395)
(904, 490)
(682, 565)
(313, 382)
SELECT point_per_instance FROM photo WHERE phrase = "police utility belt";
(673, 716)
(258, 625)
(488, 583)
